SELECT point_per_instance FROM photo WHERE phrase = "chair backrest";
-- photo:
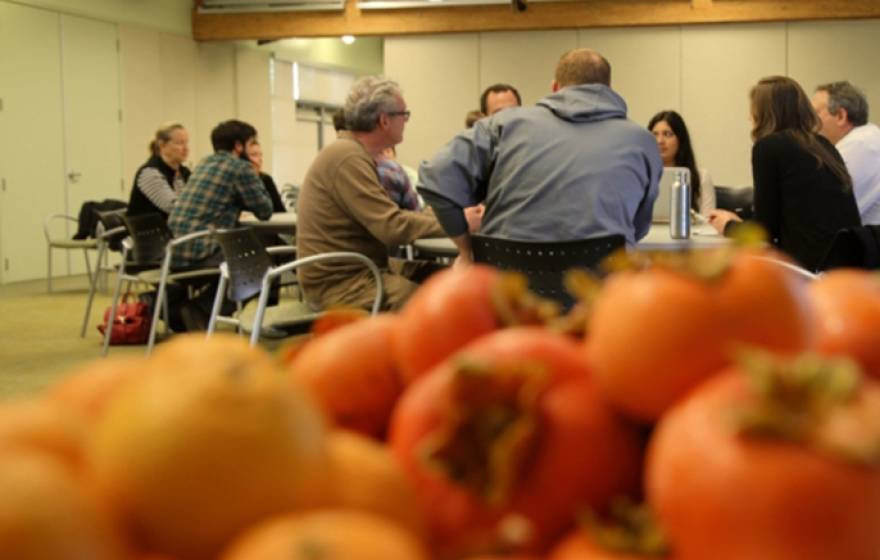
(246, 260)
(149, 235)
(739, 200)
(545, 263)
(110, 220)
(857, 247)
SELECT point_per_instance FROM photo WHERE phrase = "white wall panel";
(142, 103)
(720, 64)
(253, 98)
(645, 66)
(178, 63)
(440, 78)
(822, 52)
(526, 60)
(31, 139)
(215, 94)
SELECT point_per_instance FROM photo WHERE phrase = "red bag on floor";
(131, 324)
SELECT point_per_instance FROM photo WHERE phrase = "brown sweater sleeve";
(358, 191)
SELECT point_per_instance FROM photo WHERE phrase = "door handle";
(74, 176)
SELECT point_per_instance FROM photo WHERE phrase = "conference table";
(703, 236)
(279, 222)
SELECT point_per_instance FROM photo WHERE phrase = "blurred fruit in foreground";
(88, 388)
(352, 374)
(326, 535)
(771, 460)
(657, 333)
(505, 441)
(459, 305)
(211, 440)
(45, 514)
(43, 426)
(452, 308)
(324, 324)
(848, 311)
(366, 477)
(627, 532)
(765, 304)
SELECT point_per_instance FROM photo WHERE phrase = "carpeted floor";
(39, 333)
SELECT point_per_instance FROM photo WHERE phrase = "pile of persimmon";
(715, 405)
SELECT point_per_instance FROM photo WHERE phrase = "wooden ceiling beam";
(555, 15)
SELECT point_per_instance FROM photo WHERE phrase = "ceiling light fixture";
(348, 39)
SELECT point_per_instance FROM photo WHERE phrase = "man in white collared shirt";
(843, 110)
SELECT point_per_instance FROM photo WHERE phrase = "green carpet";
(39, 333)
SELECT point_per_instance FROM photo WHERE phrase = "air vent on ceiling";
(237, 6)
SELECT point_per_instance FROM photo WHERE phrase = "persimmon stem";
(813, 401)
(491, 428)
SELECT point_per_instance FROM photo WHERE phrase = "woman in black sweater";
(803, 192)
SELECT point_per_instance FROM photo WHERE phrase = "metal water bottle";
(680, 211)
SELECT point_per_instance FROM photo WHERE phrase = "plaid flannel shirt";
(220, 187)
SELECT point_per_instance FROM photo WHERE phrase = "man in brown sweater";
(343, 207)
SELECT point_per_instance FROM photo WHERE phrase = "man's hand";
(465, 255)
(474, 217)
(720, 218)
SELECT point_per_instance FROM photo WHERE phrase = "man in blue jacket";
(571, 167)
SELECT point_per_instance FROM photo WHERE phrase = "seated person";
(255, 157)
(674, 143)
(472, 117)
(221, 186)
(803, 192)
(572, 167)
(219, 189)
(343, 207)
(396, 181)
(158, 181)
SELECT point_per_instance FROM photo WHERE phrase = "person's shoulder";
(824, 142)
(341, 151)
(774, 141)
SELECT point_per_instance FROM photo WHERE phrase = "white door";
(31, 143)
(92, 130)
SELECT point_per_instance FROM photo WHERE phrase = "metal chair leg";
(88, 263)
(93, 287)
(109, 328)
(160, 297)
(49, 278)
(218, 301)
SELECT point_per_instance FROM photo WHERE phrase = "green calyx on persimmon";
(813, 401)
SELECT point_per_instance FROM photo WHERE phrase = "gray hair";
(368, 98)
(844, 95)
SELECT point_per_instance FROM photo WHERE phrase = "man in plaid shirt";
(221, 186)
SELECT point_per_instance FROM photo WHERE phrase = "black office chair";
(739, 200)
(248, 271)
(110, 233)
(146, 258)
(545, 263)
(857, 247)
(246, 261)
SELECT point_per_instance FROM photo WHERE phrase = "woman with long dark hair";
(674, 143)
(803, 192)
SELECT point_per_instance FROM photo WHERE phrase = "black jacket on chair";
(88, 216)
(857, 247)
